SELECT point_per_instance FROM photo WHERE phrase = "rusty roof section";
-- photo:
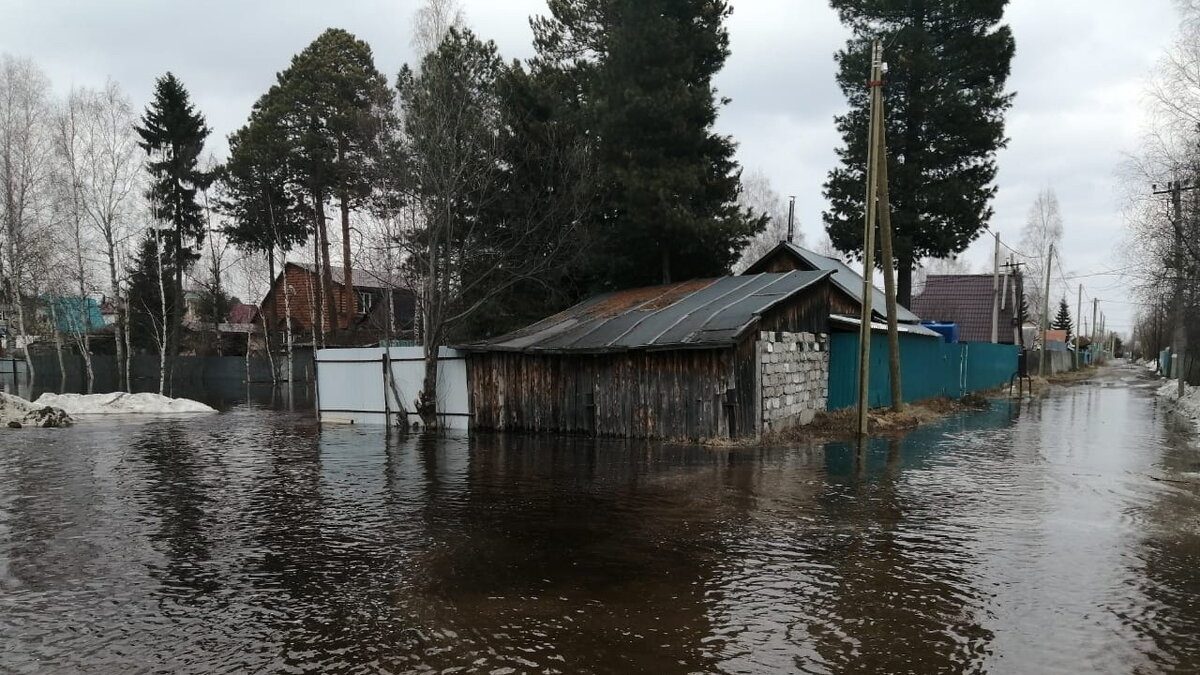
(704, 313)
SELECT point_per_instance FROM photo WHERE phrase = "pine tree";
(945, 102)
(1062, 320)
(325, 117)
(172, 133)
(636, 77)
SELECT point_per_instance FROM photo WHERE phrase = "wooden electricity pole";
(1079, 310)
(889, 272)
(1042, 325)
(996, 291)
(864, 333)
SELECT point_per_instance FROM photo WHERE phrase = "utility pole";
(864, 333)
(889, 274)
(1179, 339)
(1079, 312)
(1018, 302)
(996, 291)
(1095, 311)
(1045, 311)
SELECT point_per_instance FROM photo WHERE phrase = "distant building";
(966, 300)
(70, 315)
(372, 320)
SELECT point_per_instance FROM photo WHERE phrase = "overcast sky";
(1079, 72)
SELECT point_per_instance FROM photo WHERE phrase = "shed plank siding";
(669, 394)
(808, 313)
(840, 303)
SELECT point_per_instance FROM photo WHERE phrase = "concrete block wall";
(794, 377)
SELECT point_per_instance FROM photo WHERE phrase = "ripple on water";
(1009, 541)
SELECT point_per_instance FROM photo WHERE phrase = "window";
(366, 301)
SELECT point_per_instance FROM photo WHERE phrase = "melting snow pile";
(121, 403)
(16, 412)
(1187, 407)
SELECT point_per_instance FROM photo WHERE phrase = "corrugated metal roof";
(701, 313)
(845, 278)
(881, 326)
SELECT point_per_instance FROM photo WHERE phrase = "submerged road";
(1055, 536)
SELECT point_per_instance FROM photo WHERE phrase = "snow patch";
(1187, 407)
(16, 412)
(122, 403)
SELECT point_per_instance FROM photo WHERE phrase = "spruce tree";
(1062, 320)
(945, 100)
(636, 77)
(172, 133)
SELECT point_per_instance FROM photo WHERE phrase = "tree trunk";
(122, 377)
(287, 318)
(58, 350)
(904, 272)
(427, 403)
(21, 328)
(327, 269)
(164, 329)
(128, 365)
(176, 326)
(347, 271)
(666, 265)
(316, 296)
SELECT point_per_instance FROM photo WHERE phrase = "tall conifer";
(172, 133)
(945, 100)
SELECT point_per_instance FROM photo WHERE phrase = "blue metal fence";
(928, 368)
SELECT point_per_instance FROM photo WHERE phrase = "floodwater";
(1062, 536)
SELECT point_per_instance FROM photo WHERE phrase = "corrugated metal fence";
(928, 368)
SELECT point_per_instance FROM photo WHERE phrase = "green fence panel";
(929, 368)
(989, 366)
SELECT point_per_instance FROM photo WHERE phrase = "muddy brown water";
(1055, 536)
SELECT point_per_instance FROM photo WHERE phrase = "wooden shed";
(711, 358)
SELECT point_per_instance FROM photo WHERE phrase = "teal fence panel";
(989, 366)
(929, 368)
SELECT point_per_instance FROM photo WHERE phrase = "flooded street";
(1057, 536)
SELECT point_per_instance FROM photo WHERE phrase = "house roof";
(966, 300)
(844, 278)
(242, 313)
(703, 313)
(361, 278)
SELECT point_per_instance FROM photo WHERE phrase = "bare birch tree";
(25, 157)
(1043, 227)
(104, 166)
(759, 196)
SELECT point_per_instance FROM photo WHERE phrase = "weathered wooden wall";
(683, 393)
(807, 313)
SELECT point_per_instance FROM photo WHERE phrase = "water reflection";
(1058, 537)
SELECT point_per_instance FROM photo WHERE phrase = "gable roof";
(844, 278)
(704, 313)
(966, 300)
(242, 313)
